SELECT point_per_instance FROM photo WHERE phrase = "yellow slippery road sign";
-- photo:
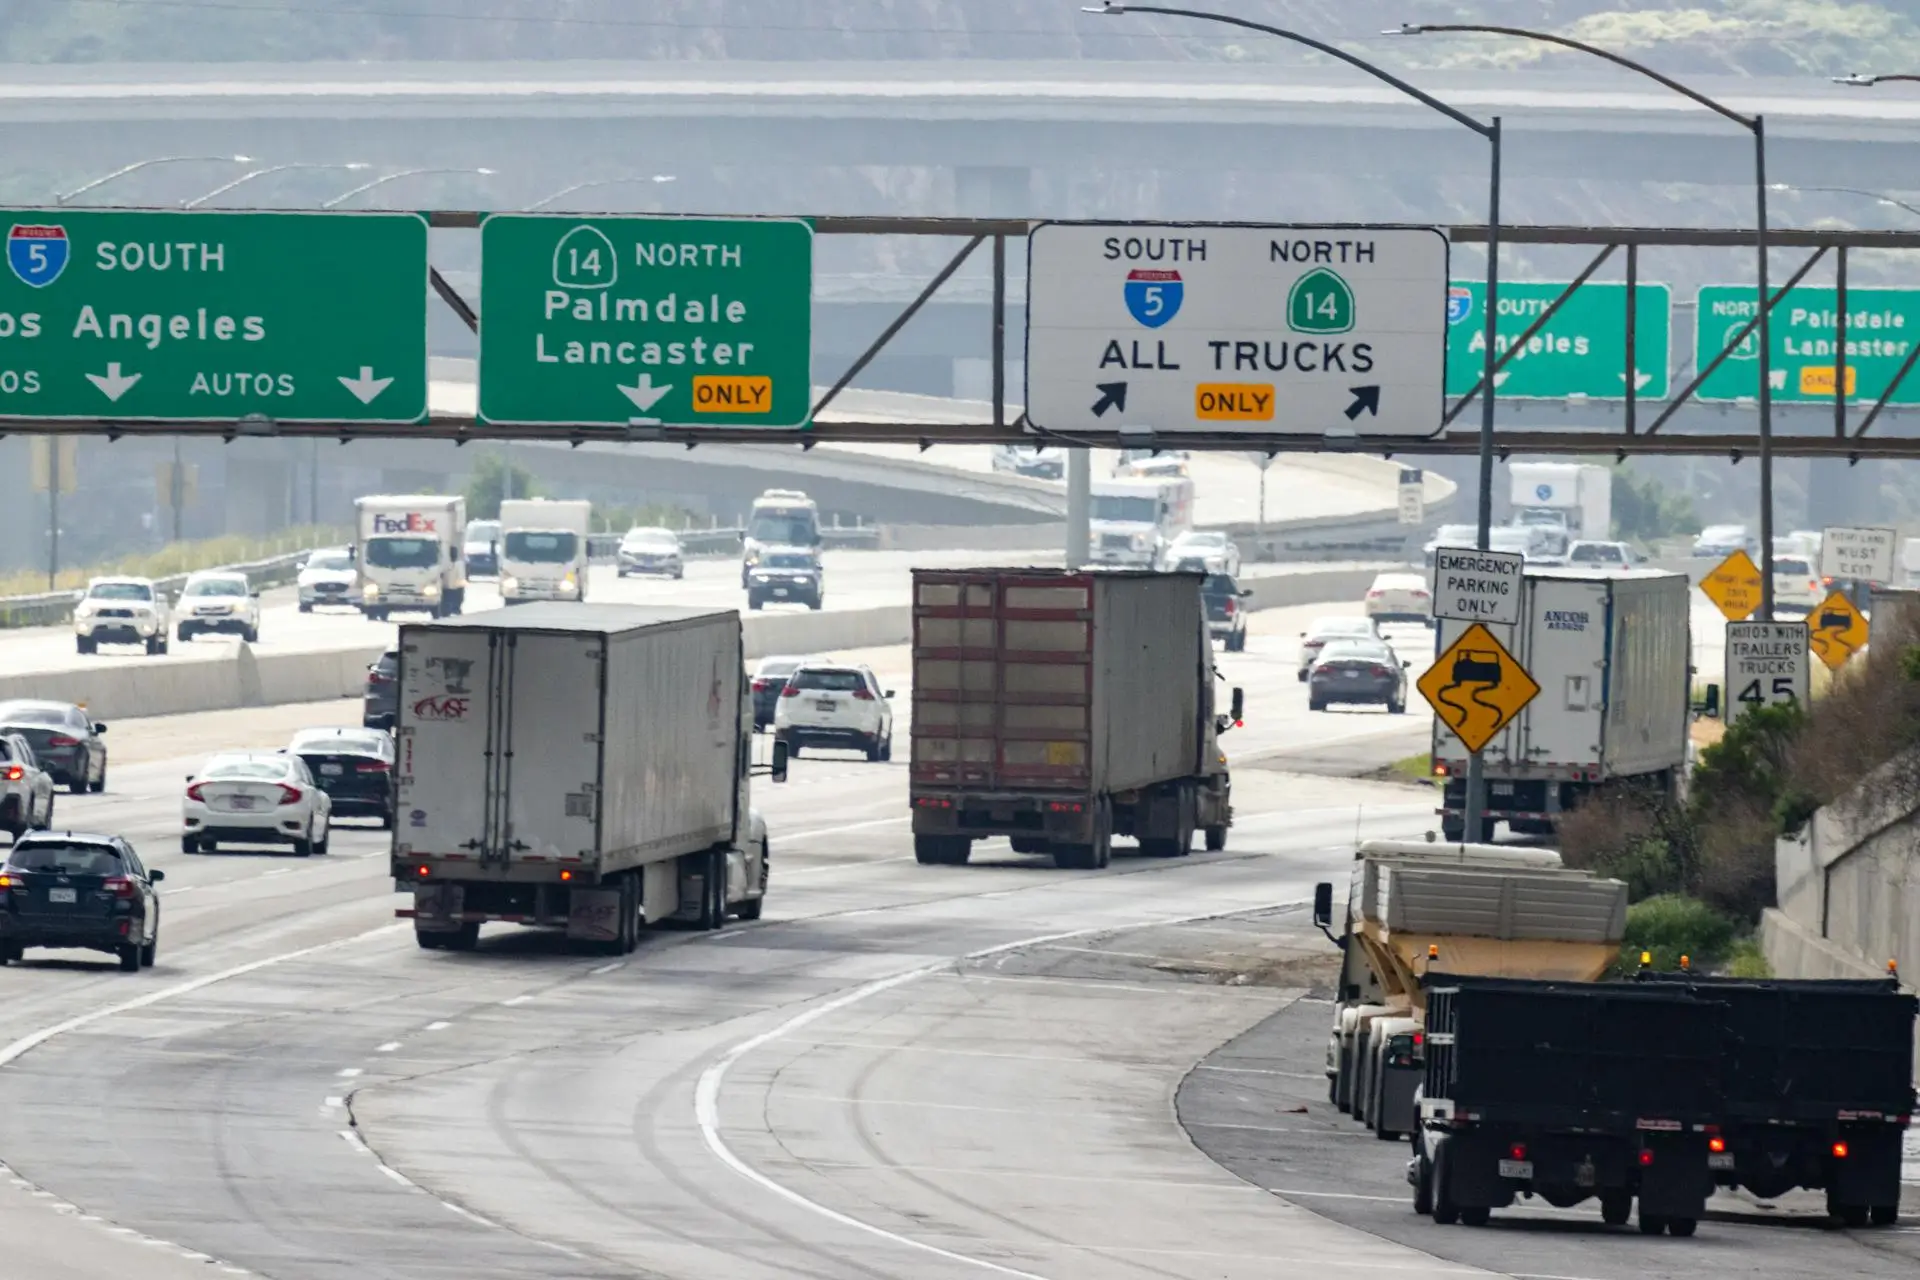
(1836, 630)
(1734, 586)
(1476, 687)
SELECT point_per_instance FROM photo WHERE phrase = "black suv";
(381, 702)
(789, 575)
(67, 890)
(1226, 610)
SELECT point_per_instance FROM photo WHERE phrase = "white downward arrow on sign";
(112, 385)
(366, 386)
(643, 393)
(1639, 379)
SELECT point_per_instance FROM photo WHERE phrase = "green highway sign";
(1882, 326)
(145, 315)
(618, 321)
(1581, 351)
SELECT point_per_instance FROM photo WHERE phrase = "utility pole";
(53, 511)
(176, 488)
(1079, 497)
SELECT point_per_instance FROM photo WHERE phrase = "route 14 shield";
(37, 254)
(1153, 297)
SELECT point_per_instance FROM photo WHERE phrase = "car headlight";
(431, 591)
(569, 582)
(371, 591)
(509, 585)
(762, 577)
(83, 610)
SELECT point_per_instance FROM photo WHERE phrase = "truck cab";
(410, 554)
(780, 518)
(543, 549)
(1133, 521)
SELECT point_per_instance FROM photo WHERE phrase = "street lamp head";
(1857, 80)
(1406, 29)
(241, 159)
(1779, 186)
(1108, 7)
(352, 166)
(484, 172)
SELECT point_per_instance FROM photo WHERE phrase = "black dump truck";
(1819, 1088)
(1569, 1091)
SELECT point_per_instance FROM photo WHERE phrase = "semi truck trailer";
(584, 768)
(1612, 654)
(1062, 708)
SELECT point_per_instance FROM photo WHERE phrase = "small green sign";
(618, 321)
(1882, 326)
(1320, 302)
(1581, 351)
(146, 315)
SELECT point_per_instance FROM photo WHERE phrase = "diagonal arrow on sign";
(365, 387)
(643, 393)
(112, 383)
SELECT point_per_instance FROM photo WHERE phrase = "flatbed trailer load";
(1819, 1088)
(1569, 1091)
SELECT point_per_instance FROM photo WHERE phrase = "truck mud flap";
(593, 915)
(437, 907)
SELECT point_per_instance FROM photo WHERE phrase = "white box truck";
(409, 554)
(1132, 521)
(576, 767)
(543, 549)
(1612, 654)
(1568, 500)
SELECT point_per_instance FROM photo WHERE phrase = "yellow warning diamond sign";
(1837, 630)
(1734, 586)
(1476, 687)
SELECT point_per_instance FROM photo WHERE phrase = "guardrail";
(722, 542)
(51, 608)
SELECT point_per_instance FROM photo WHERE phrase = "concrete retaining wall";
(245, 677)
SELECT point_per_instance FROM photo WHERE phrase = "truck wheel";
(714, 915)
(464, 938)
(1681, 1226)
(1651, 1224)
(1445, 1211)
(429, 941)
(942, 851)
(1615, 1208)
(1884, 1215)
(1423, 1184)
(1453, 830)
(1476, 1216)
(1030, 844)
(1216, 839)
(1850, 1215)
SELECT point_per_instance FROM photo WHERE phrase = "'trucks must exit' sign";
(1581, 351)
(131, 315)
(620, 321)
(1260, 330)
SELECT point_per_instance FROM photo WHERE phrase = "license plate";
(779, 591)
(241, 802)
(61, 895)
(825, 704)
(332, 770)
(1351, 675)
(1516, 1168)
(1722, 1161)
(1503, 788)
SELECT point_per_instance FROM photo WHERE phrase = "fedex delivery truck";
(409, 554)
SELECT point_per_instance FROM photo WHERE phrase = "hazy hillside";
(1751, 36)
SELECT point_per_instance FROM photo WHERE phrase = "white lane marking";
(398, 1177)
(1184, 990)
(517, 1000)
(28, 1043)
(352, 1139)
(334, 1103)
(785, 874)
(706, 1096)
(438, 1026)
(1337, 1195)
(388, 1047)
(348, 1073)
(606, 968)
(1263, 1071)
(1273, 1128)
(834, 831)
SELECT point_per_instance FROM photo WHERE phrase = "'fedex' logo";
(412, 522)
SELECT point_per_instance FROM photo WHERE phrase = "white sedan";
(255, 797)
(1215, 552)
(1400, 597)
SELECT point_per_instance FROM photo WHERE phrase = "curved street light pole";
(1879, 196)
(137, 165)
(251, 174)
(1474, 801)
(564, 192)
(1754, 124)
(345, 196)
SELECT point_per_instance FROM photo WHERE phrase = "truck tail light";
(1839, 1151)
(1646, 1157)
(932, 802)
(118, 886)
(1717, 1145)
(291, 795)
(1517, 1151)
(1065, 806)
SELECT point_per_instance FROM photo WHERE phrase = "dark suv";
(67, 890)
(1226, 610)
(769, 679)
(381, 702)
(790, 575)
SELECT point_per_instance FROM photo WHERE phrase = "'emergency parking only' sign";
(1477, 586)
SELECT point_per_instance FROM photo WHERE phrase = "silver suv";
(121, 611)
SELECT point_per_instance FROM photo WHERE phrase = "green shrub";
(1670, 926)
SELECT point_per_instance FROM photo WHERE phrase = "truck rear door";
(1003, 682)
(551, 778)
(445, 739)
(1566, 654)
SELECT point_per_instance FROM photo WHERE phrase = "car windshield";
(28, 713)
(70, 859)
(403, 553)
(1597, 553)
(795, 528)
(834, 681)
(269, 768)
(1371, 651)
(1202, 540)
(329, 743)
(1793, 567)
(217, 587)
(541, 548)
(1219, 584)
(777, 667)
(1114, 506)
(1543, 516)
(483, 531)
(1509, 540)
(789, 560)
(1328, 628)
(648, 538)
(1723, 533)
(329, 560)
(1399, 582)
(119, 591)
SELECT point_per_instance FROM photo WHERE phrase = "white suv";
(835, 706)
(121, 611)
(221, 602)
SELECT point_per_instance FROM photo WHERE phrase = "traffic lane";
(563, 1112)
(1259, 1106)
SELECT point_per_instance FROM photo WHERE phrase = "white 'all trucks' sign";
(1766, 663)
(1477, 586)
(1857, 555)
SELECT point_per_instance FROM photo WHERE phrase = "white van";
(543, 549)
(1133, 522)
